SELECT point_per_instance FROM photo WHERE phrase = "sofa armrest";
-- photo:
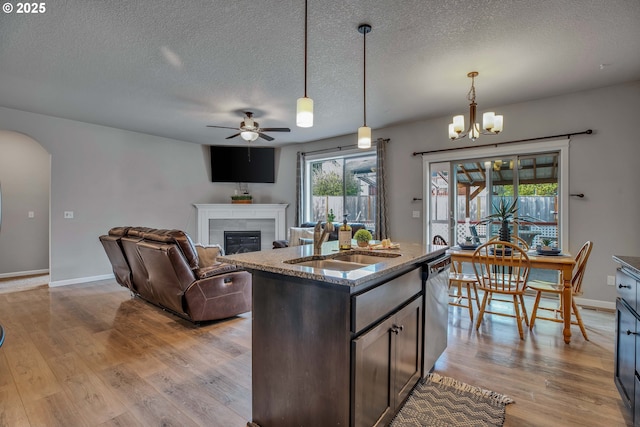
(215, 270)
(219, 296)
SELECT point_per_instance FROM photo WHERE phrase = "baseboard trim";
(23, 273)
(597, 304)
(80, 280)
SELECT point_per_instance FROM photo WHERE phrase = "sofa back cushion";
(179, 238)
(139, 274)
(169, 273)
(121, 270)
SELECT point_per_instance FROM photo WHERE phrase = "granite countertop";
(272, 261)
(631, 262)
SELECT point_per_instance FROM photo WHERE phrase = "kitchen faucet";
(319, 235)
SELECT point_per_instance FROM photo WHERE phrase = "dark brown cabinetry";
(331, 355)
(387, 365)
(627, 347)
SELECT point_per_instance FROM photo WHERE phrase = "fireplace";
(214, 219)
(239, 242)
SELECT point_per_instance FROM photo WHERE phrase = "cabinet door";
(372, 394)
(387, 362)
(407, 350)
(625, 357)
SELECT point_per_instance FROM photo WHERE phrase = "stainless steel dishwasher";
(435, 277)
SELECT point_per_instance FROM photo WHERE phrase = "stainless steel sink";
(341, 261)
(331, 264)
(363, 258)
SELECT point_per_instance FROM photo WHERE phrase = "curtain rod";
(568, 135)
(339, 148)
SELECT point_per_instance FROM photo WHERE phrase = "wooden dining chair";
(557, 288)
(463, 289)
(439, 240)
(502, 268)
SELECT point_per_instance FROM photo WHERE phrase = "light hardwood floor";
(90, 355)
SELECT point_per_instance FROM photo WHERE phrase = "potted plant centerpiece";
(363, 237)
(546, 244)
(242, 198)
(505, 213)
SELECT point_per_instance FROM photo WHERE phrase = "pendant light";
(364, 132)
(304, 110)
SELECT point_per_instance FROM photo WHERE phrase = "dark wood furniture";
(311, 339)
(627, 346)
(333, 348)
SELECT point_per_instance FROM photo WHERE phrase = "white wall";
(113, 177)
(110, 177)
(24, 177)
(603, 166)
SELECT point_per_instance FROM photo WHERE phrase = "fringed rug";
(444, 402)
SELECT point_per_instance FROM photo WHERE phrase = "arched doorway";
(25, 181)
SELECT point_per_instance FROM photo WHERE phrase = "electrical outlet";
(31, 214)
(416, 214)
(611, 280)
(68, 214)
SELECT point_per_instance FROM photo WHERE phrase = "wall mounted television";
(242, 164)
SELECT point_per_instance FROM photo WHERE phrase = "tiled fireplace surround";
(215, 219)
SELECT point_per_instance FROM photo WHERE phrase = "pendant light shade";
(304, 115)
(364, 132)
(364, 137)
(304, 107)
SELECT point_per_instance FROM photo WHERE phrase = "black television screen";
(242, 164)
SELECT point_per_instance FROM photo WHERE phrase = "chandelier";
(491, 123)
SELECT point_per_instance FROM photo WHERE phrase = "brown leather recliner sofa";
(165, 268)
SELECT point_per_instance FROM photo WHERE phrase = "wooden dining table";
(563, 263)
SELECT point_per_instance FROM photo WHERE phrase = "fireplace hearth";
(239, 242)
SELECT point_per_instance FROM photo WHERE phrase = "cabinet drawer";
(626, 288)
(379, 302)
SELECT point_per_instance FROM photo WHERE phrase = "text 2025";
(31, 7)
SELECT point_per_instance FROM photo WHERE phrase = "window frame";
(342, 154)
(557, 145)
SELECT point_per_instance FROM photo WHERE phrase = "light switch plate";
(416, 214)
(68, 214)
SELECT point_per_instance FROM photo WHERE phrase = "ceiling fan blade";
(263, 136)
(221, 127)
(232, 136)
(275, 129)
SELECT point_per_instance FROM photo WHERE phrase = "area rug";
(444, 402)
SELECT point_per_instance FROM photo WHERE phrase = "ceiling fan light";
(364, 137)
(249, 136)
(304, 114)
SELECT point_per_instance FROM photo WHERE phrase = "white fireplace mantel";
(229, 211)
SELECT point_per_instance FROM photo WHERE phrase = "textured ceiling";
(170, 68)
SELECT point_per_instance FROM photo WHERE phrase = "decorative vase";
(362, 244)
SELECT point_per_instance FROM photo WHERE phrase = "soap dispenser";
(344, 235)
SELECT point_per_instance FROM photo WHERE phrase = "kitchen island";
(338, 338)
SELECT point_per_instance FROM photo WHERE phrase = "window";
(537, 174)
(341, 185)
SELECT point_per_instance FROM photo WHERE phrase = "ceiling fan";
(250, 130)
